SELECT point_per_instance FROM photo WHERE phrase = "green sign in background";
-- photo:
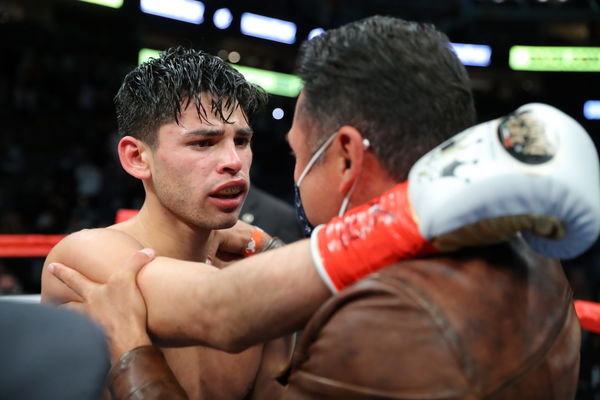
(107, 3)
(535, 58)
(272, 82)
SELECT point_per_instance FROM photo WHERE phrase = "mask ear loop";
(366, 144)
(315, 157)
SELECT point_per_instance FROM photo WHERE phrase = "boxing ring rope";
(38, 245)
(27, 245)
(588, 313)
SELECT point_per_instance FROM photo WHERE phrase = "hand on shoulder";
(95, 253)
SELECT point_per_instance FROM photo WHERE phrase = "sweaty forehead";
(210, 111)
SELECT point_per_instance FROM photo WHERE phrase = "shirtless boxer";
(183, 119)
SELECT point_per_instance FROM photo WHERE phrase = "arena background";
(62, 61)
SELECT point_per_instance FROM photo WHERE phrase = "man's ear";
(351, 149)
(134, 156)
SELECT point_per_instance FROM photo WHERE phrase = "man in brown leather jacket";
(490, 323)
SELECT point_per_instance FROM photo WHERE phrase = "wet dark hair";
(158, 90)
(398, 82)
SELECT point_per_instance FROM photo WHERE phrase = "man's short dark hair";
(396, 81)
(154, 93)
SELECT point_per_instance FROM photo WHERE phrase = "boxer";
(183, 118)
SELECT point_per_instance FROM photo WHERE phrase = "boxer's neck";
(159, 229)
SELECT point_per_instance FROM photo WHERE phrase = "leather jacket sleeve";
(143, 373)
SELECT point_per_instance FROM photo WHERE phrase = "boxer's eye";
(242, 141)
(202, 143)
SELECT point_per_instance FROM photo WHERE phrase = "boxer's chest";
(206, 373)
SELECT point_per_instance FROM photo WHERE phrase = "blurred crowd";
(57, 158)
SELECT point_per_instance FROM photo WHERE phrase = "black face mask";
(303, 221)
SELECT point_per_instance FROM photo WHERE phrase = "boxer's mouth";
(229, 191)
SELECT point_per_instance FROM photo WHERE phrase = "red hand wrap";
(254, 242)
(368, 238)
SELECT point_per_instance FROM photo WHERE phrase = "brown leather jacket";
(493, 323)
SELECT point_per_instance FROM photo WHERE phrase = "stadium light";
(268, 28)
(591, 109)
(315, 32)
(222, 18)
(182, 10)
(478, 55)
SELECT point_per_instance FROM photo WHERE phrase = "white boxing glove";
(536, 167)
(535, 172)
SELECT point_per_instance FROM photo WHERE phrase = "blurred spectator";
(271, 214)
(9, 283)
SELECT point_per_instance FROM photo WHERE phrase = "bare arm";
(251, 301)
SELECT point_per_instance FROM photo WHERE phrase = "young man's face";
(200, 169)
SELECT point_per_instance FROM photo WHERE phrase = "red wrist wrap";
(370, 237)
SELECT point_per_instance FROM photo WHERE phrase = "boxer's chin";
(227, 222)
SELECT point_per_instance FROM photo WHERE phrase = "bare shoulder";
(96, 253)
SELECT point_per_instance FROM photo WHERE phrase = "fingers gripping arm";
(117, 306)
